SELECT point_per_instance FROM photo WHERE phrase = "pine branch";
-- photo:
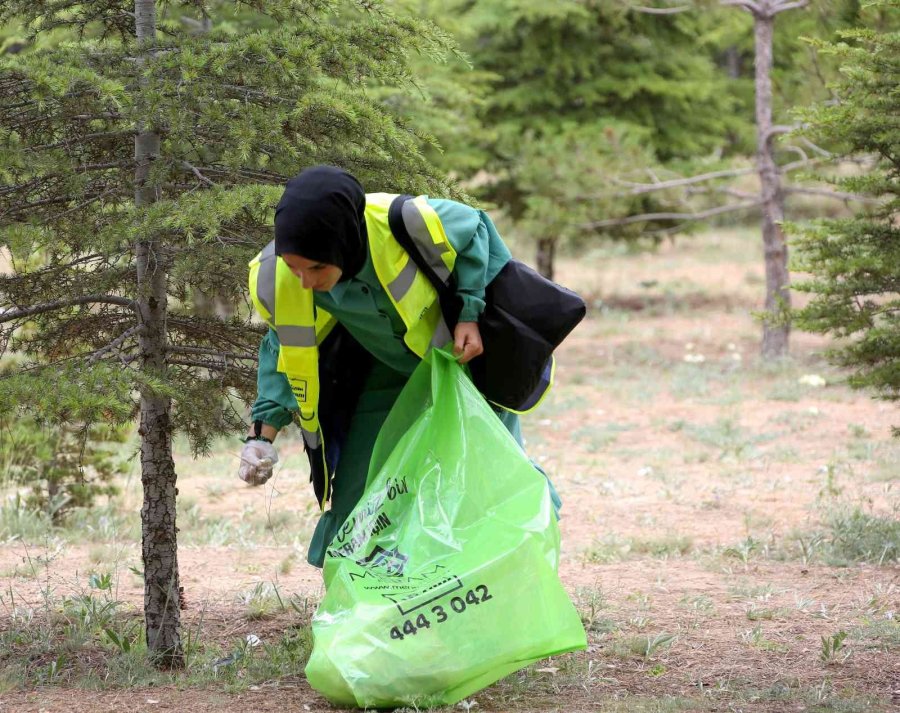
(10, 315)
(837, 195)
(115, 343)
(222, 366)
(89, 201)
(177, 349)
(685, 217)
(784, 6)
(748, 5)
(641, 188)
(85, 137)
(661, 10)
(196, 171)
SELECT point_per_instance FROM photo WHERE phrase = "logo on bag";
(391, 561)
(426, 593)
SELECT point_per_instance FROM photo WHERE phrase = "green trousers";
(381, 390)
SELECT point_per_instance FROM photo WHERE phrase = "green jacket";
(363, 308)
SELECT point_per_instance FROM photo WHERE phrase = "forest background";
(144, 144)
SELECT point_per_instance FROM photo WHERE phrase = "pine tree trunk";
(546, 250)
(158, 531)
(776, 329)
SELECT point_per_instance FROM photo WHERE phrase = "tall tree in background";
(639, 177)
(776, 328)
(855, 262)
(142, 163)
(602, 85)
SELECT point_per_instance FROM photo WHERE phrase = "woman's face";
(314, 275)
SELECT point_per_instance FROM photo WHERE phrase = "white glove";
(257, 461)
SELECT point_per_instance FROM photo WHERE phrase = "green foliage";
(832, 646)
(64, 467)
(242, 96)
(579, 61)
(860, 536)
(19, 522)
(589, 96)
(93, 640)
(853, 261)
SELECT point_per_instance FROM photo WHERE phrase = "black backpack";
(526, 317)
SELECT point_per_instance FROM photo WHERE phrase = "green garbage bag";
(444, 578)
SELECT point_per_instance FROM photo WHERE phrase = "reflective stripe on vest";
(288, 308)
(300, 328)
(411, 292)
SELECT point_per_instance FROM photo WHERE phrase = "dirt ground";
(698, 487)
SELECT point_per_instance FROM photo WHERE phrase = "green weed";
(615, 549)
(214, 491)
(700, 603)
(58, 639)
(597, 437)
(882, 633)
(109, 523)
(859, 536)
(728, 438)
(754, 614)
(746, 550)
(885, 467)
(833, 648)
(18, 522)
(644, 646)
(252, 659)
(751, 590)
(689, 381)
(757, 639)
(796, 421)
(591, 603)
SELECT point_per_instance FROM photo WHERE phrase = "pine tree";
(587, 90)
(855, 262)
(142, 162)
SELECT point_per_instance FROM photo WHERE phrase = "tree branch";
(779, 129)
(815, 147)
(177, 349)
(837, 195)
(10, 315)
(84, 137)
(748, 5)
(640, 188)
(212, 366)
(196, 171)
(685, 217)
(784, 6)
(733, 192)
(661, 10)
(115, 343)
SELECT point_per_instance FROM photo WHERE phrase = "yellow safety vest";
(288, 308)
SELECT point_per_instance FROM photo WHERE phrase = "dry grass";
(709, 534)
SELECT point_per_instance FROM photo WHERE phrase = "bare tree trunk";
(546, 251)
(159, 544)
(776, 328)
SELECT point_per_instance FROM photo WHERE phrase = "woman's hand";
(257, 460)
(467, 341)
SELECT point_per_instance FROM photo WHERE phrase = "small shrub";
(858, 536)
(19, 522)
(63, 467)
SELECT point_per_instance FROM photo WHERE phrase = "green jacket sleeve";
(480, 252)
(274, 400)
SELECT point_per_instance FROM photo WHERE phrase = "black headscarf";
(321, 216)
